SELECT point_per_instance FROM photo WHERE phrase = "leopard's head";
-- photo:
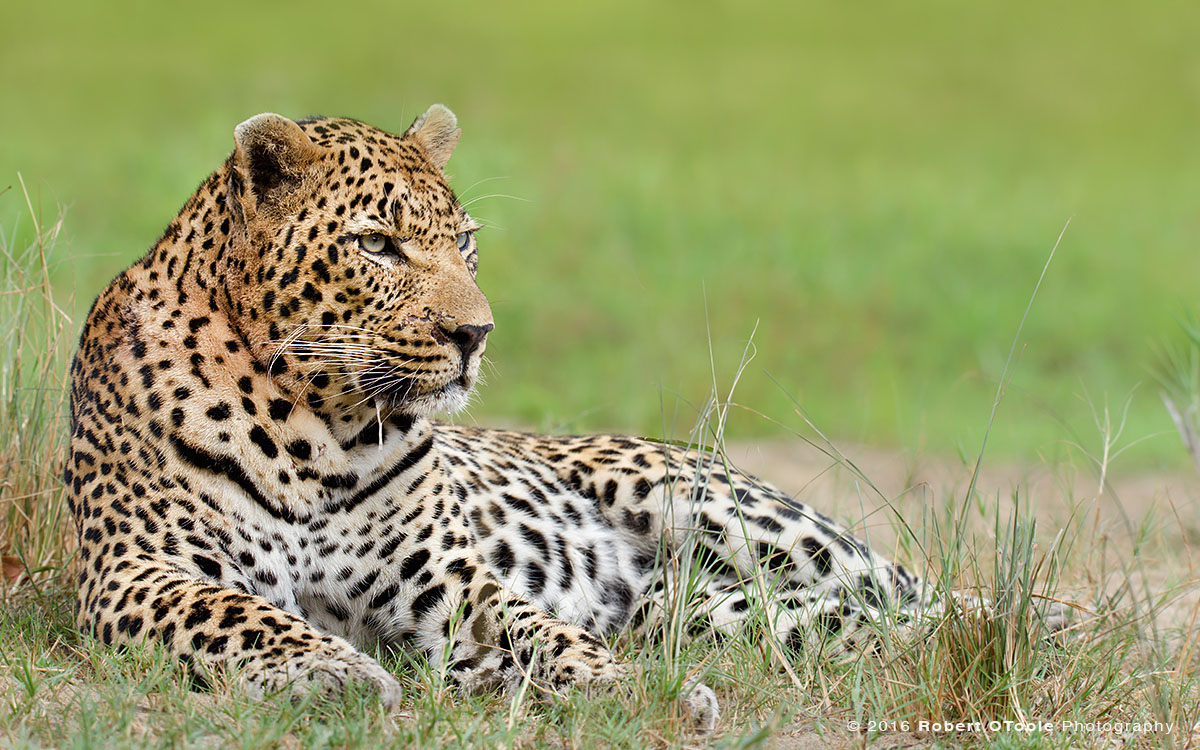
(352, 270)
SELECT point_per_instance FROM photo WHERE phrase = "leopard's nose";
(466, 337)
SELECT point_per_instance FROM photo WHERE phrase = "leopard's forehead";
(359, 148)
(361, 155)
(332, 132)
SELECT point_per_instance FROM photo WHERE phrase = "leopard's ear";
(437, 132)
(272, 153)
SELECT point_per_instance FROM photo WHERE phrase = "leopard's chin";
(448, 399)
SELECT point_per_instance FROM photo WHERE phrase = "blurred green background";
(875, 186)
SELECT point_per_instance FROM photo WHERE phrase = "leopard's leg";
(561, 653)
(511, 634)
(438, 591)
(826, 619)
(502, 638)
(746, 546)
(209, 625)
(814, 583)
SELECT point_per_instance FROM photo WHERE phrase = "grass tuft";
(35, 343)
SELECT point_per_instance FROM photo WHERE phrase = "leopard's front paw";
(330, 667)
(577, 659)
(335, 674)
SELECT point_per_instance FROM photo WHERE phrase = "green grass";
(875, 186)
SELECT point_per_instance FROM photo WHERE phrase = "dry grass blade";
(35, 342)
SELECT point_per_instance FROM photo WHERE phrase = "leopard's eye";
(464, 240)
(374, 243)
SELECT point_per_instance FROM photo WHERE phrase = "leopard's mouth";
(407, 389)
(397, 390)
(418, 398)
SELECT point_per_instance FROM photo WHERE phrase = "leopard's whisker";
(494, 195)
(477, 183)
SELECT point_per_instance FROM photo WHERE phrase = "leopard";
(260, 484)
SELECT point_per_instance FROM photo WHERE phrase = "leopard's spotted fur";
(255, 478)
